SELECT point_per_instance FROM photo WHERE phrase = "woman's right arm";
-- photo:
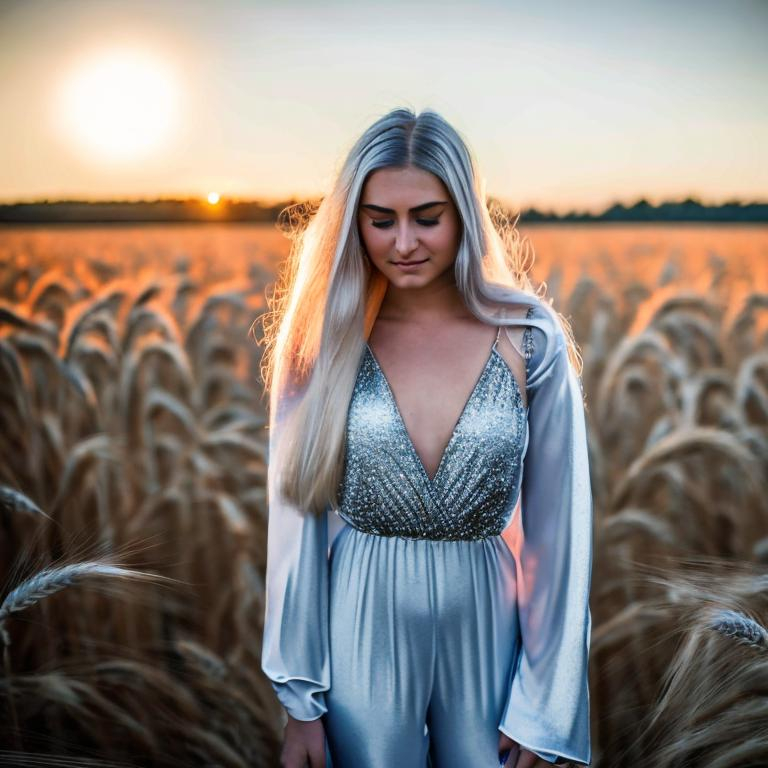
(295, 642)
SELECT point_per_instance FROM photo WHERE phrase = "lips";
(408, 263)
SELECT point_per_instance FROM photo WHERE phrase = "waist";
(436, 525)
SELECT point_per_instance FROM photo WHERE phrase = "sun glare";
(213, 198)
(119, 105)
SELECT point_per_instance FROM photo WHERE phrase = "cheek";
(444, 242)
(375, 241)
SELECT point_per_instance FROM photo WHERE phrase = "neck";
(436, 301)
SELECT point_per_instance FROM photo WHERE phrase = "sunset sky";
(565, 104)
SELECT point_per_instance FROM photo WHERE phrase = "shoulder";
(544, 342)
(546, 331)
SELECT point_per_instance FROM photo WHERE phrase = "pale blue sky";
(564, 104)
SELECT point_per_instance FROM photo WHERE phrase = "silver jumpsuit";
(423, 616)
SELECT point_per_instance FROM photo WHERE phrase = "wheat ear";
(740, 627)
(51, 580)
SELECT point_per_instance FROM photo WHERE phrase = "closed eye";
(388, 223)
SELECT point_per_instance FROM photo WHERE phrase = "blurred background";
(146, 152)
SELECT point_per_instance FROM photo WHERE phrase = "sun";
(119, 105)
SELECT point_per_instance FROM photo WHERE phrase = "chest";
(387, 485)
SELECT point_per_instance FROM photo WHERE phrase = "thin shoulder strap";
(527, 344)
(498, 333)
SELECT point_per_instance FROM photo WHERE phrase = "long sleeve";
(547, 710)
(295, 642)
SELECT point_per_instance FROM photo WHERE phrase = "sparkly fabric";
(386, 489)
(429, 638)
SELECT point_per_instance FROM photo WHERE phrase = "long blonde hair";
(327, 295)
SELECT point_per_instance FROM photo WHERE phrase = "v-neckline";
(401, 421)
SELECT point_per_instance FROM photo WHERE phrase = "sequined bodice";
(385, 488)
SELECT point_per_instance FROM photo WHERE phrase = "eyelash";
(424, 222)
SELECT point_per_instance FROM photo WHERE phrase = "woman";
(411, 615)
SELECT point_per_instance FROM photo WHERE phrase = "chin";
(406, 280)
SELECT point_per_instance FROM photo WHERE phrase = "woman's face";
(409, 226)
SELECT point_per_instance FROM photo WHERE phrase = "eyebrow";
(418, 208)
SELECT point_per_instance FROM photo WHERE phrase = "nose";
(405, 239)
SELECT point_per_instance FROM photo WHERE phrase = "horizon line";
(269, 202)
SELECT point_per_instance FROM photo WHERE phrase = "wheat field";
(133, 507)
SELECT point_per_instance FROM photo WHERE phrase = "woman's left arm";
(547, 710)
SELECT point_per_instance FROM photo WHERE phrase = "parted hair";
(328, 294)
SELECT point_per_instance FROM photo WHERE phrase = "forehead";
(402, 187)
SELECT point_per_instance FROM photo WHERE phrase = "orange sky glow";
(563, 107)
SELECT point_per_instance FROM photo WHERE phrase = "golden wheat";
(133, 434)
